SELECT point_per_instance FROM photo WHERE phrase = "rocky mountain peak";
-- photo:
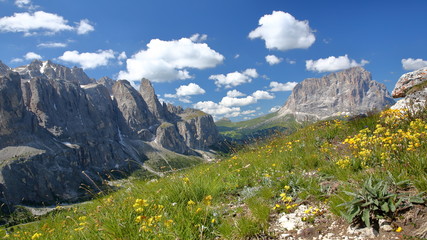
(349, 92)
(48, 69)
(147, 92)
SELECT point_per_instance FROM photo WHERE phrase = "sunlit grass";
(234, 197)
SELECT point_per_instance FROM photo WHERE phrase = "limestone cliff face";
(349, 92)
(134, 111)
(59, 129)
(168, 136)
(198, 129)
(13, 115)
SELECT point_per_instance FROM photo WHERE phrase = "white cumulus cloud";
(25, 4)
(37, 21)
(84, 27)
(272, 59)
(52, 45)
(259, 94)
(413, 64)
(199, 37)
(282, 31)
(282, 87)
(165, 61)
(40, 22)
(215, 108)
(32, 56)
(275, 108)
(229, 101)
(122, 56)
(189, 90)
(235, 78)
(229, 106)
(237, 102)
(184, 92)
(88, 60)
(235, 93)
(16, 60)
(332, 64)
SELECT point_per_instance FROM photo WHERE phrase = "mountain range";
(61, 130)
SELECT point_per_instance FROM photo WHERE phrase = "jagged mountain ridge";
(50, 70)
(58, 131)
(349, 92)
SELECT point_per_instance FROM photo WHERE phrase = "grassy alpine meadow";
(362, 169)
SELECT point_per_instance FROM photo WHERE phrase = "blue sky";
(235, 58)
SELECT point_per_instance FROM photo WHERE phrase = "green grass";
(233, 197)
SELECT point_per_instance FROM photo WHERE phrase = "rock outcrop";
(197, 128)
(147, 92)
(62, 133)
(168, 136)
(108, 83)
(412, 87)
(349, 92)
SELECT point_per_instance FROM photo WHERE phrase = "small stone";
(363, 232)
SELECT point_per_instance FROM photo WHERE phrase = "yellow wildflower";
(36, 235)
(139, 219)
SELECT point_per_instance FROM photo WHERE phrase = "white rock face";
(351, 91)
(408, 81)
(411, 86)
(293, 221)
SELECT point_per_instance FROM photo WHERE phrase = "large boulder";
(412, 87)
(409, 81)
